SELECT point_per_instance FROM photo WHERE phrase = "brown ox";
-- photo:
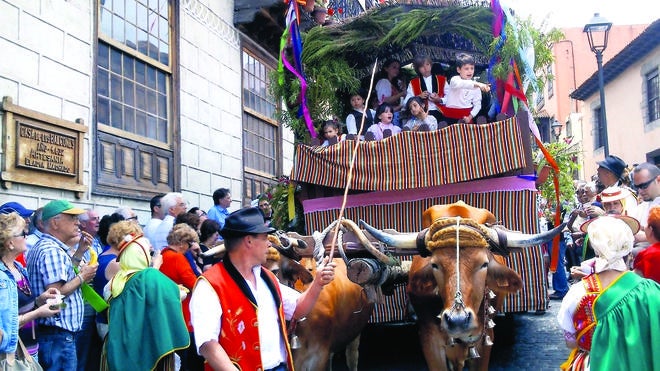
(450, 289)
(337, 319)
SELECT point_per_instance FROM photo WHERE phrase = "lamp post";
(556, 129)
(597, 31)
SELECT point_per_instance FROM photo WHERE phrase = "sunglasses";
(23, 234)
(645, 184)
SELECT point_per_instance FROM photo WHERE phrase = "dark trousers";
(190, 360)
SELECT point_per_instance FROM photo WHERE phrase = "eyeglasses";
(74, 218)
(645, 184)
(132, 218)
(23, 234)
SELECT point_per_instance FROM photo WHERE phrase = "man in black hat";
(610, 173)
(226, 297)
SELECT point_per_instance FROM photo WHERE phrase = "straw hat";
(614, 193)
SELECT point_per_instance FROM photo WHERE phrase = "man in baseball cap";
(57, 207)
(15, 207)
(50, 266)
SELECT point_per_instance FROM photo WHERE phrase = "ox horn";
(403, 241)
(217, 250)
(515, 239)
(367, 244)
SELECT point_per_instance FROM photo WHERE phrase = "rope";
(351, 167)
(458, 298)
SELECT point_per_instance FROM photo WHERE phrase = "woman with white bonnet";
(612, 313)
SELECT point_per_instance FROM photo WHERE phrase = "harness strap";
(421, 244)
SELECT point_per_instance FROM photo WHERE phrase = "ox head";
(284, 261)
(459, 269)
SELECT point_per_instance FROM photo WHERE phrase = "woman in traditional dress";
(612, 313)
(145, 321)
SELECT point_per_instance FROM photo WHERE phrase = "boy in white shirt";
(463, 95)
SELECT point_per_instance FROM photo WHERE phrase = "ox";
(450, 285)
(338, 317)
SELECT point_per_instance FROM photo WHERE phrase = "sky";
(577, 13)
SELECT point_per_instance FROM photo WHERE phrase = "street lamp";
(556, 129)
(597, 31)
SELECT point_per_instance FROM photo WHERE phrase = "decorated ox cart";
(396, 179)
(390, 184)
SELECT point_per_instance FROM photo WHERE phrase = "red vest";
(438, 87)
(584, 318)
(239, 334)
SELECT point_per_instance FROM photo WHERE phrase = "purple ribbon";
(303, 91)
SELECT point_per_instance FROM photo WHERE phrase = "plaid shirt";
(48, 263)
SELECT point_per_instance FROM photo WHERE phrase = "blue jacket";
(9, 309)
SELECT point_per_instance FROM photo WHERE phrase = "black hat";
(614, 164)
(245, 221)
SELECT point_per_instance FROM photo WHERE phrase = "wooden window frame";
(254, 180)
(124, 139)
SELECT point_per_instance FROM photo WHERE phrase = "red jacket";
(178, 269)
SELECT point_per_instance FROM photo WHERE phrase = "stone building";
(107, 103)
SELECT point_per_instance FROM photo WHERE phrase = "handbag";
(23, 361)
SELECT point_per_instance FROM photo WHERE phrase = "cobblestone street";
(523, 341)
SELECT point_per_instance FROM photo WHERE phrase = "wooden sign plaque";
(42, 150)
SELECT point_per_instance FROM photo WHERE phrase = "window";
(134, 98)
(261, 132)
(598, 129)
(653, 95)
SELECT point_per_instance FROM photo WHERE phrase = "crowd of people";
(609, 276)
(85, 292)
(428, 102)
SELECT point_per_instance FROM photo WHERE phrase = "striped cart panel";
(514, 208)
(411, 160)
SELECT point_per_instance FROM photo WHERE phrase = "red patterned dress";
(584, 321)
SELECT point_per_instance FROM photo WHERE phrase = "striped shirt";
(48, 263)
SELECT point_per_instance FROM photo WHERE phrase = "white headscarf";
(612, 240)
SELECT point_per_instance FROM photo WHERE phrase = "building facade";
(632, 102)
(573, 64)
(107, 103)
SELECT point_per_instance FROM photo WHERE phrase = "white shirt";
(150, 229)
(161, 232)
(569, 306)
(642, 210)
(461, 93)
(352, 125)
(206, 312)
(384, 91)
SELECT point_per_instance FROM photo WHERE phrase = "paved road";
(526, 341)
